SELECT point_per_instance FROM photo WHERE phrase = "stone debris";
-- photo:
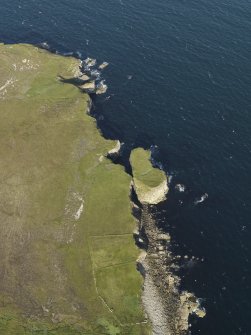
(166, 306)
(161, 248)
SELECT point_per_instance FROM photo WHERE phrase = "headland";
(68, 256)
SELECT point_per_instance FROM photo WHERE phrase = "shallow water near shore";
(179, 78)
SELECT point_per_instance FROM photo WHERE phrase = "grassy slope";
(61, 272)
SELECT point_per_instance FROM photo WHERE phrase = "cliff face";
(67, 262)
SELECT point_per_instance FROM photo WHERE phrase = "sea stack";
(149, 183)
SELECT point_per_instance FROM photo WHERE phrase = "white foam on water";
(201, 199)
(180, 187)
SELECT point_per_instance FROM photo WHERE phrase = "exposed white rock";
(115, 151)
(79, 212)
(103, 65)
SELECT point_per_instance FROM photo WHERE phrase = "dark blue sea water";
(179, 78)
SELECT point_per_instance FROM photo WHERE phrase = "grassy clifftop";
(67, 262)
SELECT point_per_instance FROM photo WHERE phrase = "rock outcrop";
(84, 77)
(101, 87)
(103, 65)
(89, 87)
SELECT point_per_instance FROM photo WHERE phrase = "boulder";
(90, 61)
(89, 87)
(101, 88)
(200, 312)
(103, 65)
(163, 237)
(84, 77)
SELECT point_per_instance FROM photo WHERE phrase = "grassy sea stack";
(150, 184)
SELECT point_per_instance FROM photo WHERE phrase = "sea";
(179, 82)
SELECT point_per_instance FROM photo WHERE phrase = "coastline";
(160, 284)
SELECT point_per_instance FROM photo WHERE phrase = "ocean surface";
(180, 79)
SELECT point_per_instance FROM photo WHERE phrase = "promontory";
(71, 220)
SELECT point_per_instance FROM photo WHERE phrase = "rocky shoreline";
(167, 307)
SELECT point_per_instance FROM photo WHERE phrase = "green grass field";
(67, 252)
